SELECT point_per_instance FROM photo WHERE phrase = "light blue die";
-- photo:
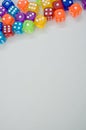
(17, 27)
(2, 38)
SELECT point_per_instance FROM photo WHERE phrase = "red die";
(48, 13)
(57, 5)
(7, 30)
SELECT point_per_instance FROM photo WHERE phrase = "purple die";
(20, 17)
(2, 11)
(30, 15)
(84, 4)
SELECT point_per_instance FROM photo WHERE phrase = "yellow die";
(46, 3)
(33, 6)
(40, 21)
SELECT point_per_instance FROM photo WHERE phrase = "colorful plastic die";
(2, 38)
(20, 17)
(48, 13)
(13, 10)
(33, 6)
(2, 11)
(8, 19)
(57, 5)
(67, 3)
(40, 21)
(75, 9)
(46, 3)
(17, 27)
(59, 15)
(83, 3)
(7, 30)
(1, 26)
(23, 5)
(7, 4)
(28, 26)
(30, 15)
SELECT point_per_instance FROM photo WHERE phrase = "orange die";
(75, 9)
(23, 5)
(60, 15)
(8, 19)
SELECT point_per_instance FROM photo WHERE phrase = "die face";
(13, 10)
(7, 30)
(1, 26)
(40, 21)
(20, 17)
(33, 6)
(17, 27)
(57, 5)
(84, 4)
(7, 4)
(28, 26)
(23, 5)
(48, 13)
(2, 38)
(8, 19)
(67, 3)
(46, 3)
(2, 11)
(30, 15)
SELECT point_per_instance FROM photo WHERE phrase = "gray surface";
(43, 78)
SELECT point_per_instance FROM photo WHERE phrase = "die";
(20, 17)
(57, 5)
(59, 15)
(13, 10)
(40, 21)
(7, 30)
(28, 26)
(48, 13)
(2, 38)
(39, 2)
(46, 3)
(33, 6)
(83, 3)
(1, 26)
(23, 5)
(67, 3)
(17, 27)
(30, 15)
(8, 19)
(75, 10)
(2, 11)
(7, 4)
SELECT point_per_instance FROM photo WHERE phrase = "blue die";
(2, 38)
(17, 27)
(7, 4)
(13, 10)
(67, 3)
(1, 26)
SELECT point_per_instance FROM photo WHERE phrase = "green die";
(28, 26)
(39, 2)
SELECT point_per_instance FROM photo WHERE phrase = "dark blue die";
(13, 10)
(17, 27)
(7, 4)
(67, 3)
(1, 26)
(2, 38)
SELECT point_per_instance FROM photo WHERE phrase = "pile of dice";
(26, 15)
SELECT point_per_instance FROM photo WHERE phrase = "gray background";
(43, 78)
